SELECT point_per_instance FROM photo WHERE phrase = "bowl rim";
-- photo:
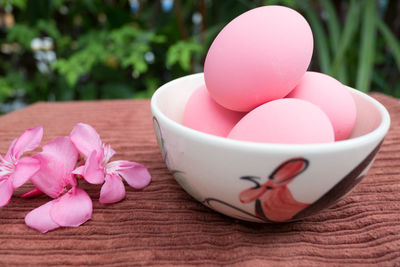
(375, 135)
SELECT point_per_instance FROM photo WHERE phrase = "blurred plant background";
(58, 50)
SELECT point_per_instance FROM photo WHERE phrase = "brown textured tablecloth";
(162, 225)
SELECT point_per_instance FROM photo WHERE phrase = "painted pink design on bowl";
(273, 199)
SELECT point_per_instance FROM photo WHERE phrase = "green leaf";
(159, 39)
(288, 3)
(135, 57)
(16, 3)
(182, 53)
(13, 83)
(319, 38)
(334, 36)
(49, 27)
(184, 59)
(5, 89)
(392, 42)
(63, 43)
(151, 86)
(333, 23)
(212, 32)
(367, 50)
(58, 3)
(130, 44)
(349, 32)
(80, 62)
(22, 34)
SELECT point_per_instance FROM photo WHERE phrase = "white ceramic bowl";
(258, 181)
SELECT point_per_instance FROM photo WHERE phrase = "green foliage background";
(101, 45)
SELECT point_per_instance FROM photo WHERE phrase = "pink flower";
(72, 206)
(98, 169)
(14, 171)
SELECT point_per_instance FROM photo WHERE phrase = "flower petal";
(93, 173)
(113, 190)
(39, 218)
(135, 174)
(62, 149)
(50, 177)
(9, 156)
(108, 153)
(28, 141)
(79, 170)
(72, 209)
(57, 161)
(71, 180)
(85, 139)
(24, 169)
(6, 191)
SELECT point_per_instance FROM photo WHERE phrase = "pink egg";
(332, 97)
(202, 113)
(285, 121)
(259, 56)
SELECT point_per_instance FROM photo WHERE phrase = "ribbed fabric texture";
(162, 225)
